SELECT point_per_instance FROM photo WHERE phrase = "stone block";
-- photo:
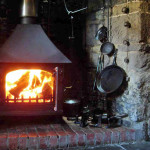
(145, 27)
(93, 59)
(134, 6)
(149, 127)
(90, 36)
(138, 61)
(94, 5)
(96, 49)
(117, 2)
(120, 33)
(148, 110)
(139, 135)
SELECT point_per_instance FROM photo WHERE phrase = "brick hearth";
(47, 133)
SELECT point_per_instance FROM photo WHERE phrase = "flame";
(29, 86)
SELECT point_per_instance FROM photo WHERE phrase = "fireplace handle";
(56, 92)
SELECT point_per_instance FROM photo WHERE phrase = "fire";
(29, 86)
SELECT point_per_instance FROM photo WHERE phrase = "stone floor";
(133, 146)
(45, 133)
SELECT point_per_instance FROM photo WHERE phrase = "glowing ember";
(29, 86)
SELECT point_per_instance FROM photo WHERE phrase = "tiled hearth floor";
(51, 133)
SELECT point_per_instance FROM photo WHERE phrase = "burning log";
(47, 90)
(45, 75)
(35, 82)
(22, 83)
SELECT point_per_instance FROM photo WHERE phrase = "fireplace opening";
(32, 85)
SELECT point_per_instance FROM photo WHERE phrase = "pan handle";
(99, 68)
(115, 56)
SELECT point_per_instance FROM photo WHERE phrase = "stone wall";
(135, 100)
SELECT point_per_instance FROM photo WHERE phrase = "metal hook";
(72, 12)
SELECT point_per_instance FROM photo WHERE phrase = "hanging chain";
(73, 12)
(103, 8)
(71, 17)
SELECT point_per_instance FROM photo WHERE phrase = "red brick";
(22, 141)
(72, 139)
(12, 139)
(80, 135)
(33, 138)
(99, 136)
(43, 138)
(53, 141)
(31, 131)
(62, 139)
(62, 135)
(131, 135)
(13, 143)
(107, 136)
(33, 143)
(122, 134)
(58, 127)
(81, 139)
(3, 140)
(53, 138)
(90, 136)
(115, 136)
(72, 136)
(43, 142)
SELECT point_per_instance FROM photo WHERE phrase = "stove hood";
(29, 43)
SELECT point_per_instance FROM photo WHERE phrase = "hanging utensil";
(72, 29)
(111, 78)
(107, 47)
(101, 34)
(100, 66)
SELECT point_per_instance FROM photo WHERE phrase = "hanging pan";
(107, 47)
(111, 78)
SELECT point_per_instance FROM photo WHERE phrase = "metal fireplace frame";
(30, 48)
(32, 109)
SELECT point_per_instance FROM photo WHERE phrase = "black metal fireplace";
(31, 69)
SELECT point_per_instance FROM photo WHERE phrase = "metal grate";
(31, 100)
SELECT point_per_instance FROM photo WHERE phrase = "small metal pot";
(72, 108)
(107, 48)
(102, 34)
